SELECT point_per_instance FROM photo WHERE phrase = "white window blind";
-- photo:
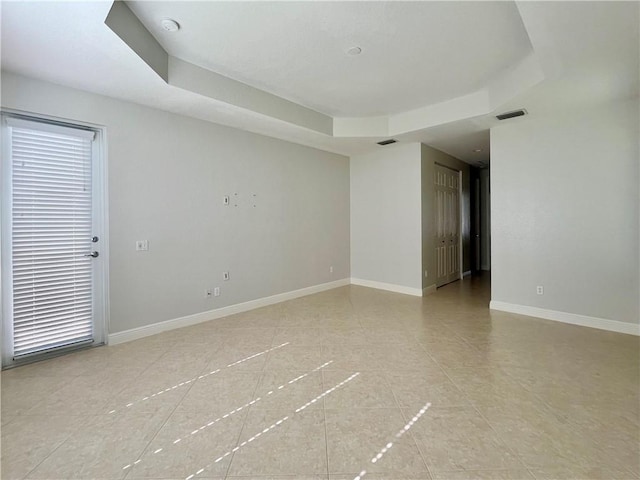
(51, 220)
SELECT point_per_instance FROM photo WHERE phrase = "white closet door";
(447, 228)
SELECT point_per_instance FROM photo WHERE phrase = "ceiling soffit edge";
(505, 85)
(134, 34)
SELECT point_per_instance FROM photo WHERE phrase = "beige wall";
(392, 208)
(385, 216)
(167, 177)
(564, 212)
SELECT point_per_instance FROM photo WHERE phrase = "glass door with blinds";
(52, 258)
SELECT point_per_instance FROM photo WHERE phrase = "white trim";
(417, 292)
(101, 195)
(564, 317)
(466, 274)
(429, 290)
(147, 330)
(6, 303)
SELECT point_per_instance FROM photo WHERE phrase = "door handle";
(92, 254)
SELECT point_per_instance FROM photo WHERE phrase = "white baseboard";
(466, 274)
(417, 292)
(564, 317)
(147, 330)
(429, 290)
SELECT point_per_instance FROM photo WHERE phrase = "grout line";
(50, 454)
(424, 460)
(90, 415)
(552, 410)
(146, 448)
(274, 425)
(246, 407)
(253, 397)
(324, 416)
(398, 435)
(199, 377)
(244, 422)
(473, 405)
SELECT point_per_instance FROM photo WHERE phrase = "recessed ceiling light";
(170, 25)
(354, 51)
(477, 150)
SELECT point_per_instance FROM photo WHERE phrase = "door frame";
(100, 221)
(461, 220)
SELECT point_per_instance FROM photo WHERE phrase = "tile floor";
(318, 387)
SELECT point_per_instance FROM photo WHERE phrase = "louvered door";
(53, 248)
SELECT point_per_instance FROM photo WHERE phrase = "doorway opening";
(480, 254)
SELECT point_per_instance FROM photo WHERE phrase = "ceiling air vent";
(515, 113)
(387, 142)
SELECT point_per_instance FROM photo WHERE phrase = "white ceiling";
(435, 72)
(413, 53)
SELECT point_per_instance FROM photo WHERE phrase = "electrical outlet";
(426, 274)
(540, 290)
(142, 245)
(225, 200)
(225, 276)
(216, 292)
(208, 293)
(331, 269)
